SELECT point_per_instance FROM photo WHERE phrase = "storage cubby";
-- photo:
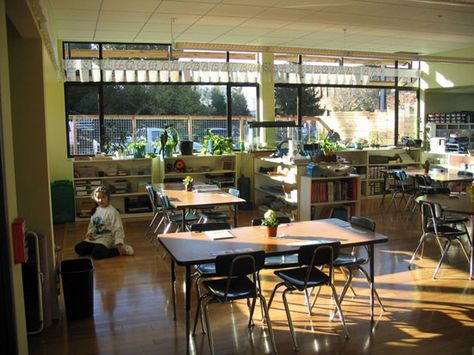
(126, 179)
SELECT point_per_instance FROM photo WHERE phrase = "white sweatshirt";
(106, 227)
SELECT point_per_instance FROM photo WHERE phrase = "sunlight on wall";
(425, 68)
(443, 81)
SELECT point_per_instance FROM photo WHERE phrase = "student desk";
(189, 248)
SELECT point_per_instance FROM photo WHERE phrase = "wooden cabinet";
(126, 179)
(337, 196)
(276, 185)
(370, 164)
(213, 169)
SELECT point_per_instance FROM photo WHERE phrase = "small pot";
(186, 147)
(271, 231)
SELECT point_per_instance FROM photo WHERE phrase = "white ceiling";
(421, 26)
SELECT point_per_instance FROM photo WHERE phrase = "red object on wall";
(20, 251)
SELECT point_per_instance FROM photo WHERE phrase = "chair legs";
(445, 251)
(203, 302)
(310, 307)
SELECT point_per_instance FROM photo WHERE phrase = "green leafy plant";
(216, 144)
(328, 146)
(270, 219)
(116, 139)
(137, 148)
(169, 139)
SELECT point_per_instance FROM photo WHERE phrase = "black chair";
(209, 269)
(233, 283)
(171, 216)
(350, 262)
(434, 225)
(278, 262)
(157, 210)
(426, 187)
(307, 276)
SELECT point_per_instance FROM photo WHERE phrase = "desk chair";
(350, 262)
(308, 276)
(209, 214)
(209, 269)
(433, 225)
(157, 210)
(278, 262)
(170, 215)
(232, 283)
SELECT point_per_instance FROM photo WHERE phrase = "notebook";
(219, 234)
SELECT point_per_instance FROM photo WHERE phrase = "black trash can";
(78, 288)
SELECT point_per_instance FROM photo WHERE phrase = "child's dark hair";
(101, 189)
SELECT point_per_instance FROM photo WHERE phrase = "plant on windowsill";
(215, 144)
(137, 148)
(169, 139)
(270, 220)
(329, 147)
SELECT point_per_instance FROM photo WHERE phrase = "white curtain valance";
(173, 71)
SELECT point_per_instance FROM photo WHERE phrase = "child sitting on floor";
(104, 238)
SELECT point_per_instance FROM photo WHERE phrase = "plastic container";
(62, 197)
(78, 288)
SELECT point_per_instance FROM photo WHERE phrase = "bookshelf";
(126, 179)
(337, 196)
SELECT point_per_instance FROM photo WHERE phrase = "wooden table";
(185, 200)
(442, 177)
(459, 204)
(188, 249)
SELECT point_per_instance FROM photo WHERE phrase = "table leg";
(173, 287)
(235, 215)
(188, 306)
(183, 221)
(471, 267)
(372, 280)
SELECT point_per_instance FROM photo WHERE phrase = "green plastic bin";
(62, 196)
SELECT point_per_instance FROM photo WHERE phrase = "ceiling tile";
(184, 7)
(75, 5)
(119, 26)
(127, 5)
(77, 15)
(124, 16)
(220, 20)
(236, 10)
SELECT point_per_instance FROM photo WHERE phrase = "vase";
(188, 187)
(271, 231)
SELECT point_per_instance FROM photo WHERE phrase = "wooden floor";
(133, 313)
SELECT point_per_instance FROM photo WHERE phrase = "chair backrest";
(234, 265)
(282, 219)
(234, 192)
(152, 196)
(430, 213)
(316, 254)
(213, 226)
(165, 201)
(363, 222)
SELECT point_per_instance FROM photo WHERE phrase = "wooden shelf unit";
(203, 168)
(282, 187)
(126, 179)
(369, 164)
(321, 197)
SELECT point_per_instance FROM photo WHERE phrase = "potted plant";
(270, 220)
(137, 148)
(118, 142)
(188, 183)
(169, 139)
(328, 148)
(216, 145)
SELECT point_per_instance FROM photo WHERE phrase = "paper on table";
(219, 234)
(310, 242)
(231, 251)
